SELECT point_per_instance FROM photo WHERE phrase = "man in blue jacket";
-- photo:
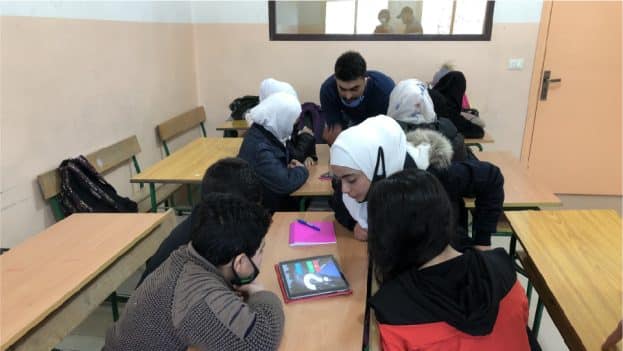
(352, 94)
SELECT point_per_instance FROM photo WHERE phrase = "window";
(381, 20)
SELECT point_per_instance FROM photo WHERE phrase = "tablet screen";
(312, 276)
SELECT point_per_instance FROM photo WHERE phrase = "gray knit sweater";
(187, 302)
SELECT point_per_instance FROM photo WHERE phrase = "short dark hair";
(232, 175)
(410, 221)
(226, 225)
(350, 66)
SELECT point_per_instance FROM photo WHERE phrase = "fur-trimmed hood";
(440, 147)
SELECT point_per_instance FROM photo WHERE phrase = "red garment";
(507, 332)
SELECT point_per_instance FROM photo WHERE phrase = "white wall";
(134, 11)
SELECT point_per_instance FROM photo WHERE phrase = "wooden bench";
(177, 125)
(104, 160)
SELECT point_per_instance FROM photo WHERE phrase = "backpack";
(241, 105)
(313, 118)
(85, 190)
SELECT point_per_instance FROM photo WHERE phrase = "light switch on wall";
(515, 64)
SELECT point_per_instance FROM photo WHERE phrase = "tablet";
(309, 277)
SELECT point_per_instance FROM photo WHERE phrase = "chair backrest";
(103, 160)
(180, 124)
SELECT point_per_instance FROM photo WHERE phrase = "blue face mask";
(353, 103)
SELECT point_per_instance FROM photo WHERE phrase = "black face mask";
(380, 162)
(242, 281)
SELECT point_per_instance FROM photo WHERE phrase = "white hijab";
(358, 148)
(277, 114)
(410, 102)
(270, 86)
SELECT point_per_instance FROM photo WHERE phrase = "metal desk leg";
(189, 189)
(513, 246)
(114, 306)
(537, 318)
(302, 204)
(152, 196)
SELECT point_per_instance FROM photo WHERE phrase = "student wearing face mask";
(378, 148)
(264, 147)
(205, 295)
(352, 94)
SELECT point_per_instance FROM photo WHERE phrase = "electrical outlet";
(515, 64)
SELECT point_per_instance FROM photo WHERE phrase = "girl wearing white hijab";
(264, 148)
(412, 107)
(270, 86)
(410, 103)
(378, 148)
(374, 149)
(302, 144)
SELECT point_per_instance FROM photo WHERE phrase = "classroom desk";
(52, 281)
(520, 189)
(573, 258)
(486, 139)
(239, 127)
(314, 186)
(234, 125)
(334, 323)
(188, 164)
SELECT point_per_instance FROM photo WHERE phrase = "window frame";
(274, 36)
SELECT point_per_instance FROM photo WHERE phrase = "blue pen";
(308, 225)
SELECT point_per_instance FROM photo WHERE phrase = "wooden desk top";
(520, 189)
(334, 323)
(188, 164)
(234, 125)
(486, 139)
(44, 271)
(578, 256)
(314, 186)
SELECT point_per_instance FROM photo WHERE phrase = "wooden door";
(573, 142)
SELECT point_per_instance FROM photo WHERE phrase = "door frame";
(535, 83)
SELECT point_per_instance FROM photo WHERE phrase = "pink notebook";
(302, 235)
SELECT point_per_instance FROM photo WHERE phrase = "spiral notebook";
(304, 235)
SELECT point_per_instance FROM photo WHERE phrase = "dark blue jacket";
(375, 101)
(269, 159)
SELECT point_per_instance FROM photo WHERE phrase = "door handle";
(546, 80)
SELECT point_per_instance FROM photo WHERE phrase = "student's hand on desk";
(249, 289)
(482, 247)
(309, 162)
(295, 163)
(360, 233)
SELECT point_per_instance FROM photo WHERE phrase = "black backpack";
(241, 105)
(85, 190)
